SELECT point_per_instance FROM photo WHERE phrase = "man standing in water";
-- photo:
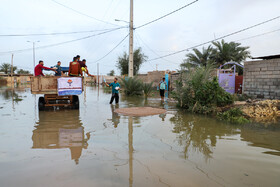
(115, 90)
(162, 87)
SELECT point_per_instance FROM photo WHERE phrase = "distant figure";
(115, 90)
(162, 87)
(75, 68)
(38, 70)
(59, 72)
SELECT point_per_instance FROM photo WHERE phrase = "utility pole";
(33, 52)
(98, 74)
(33, 55)
(12, 67)
(130, 63)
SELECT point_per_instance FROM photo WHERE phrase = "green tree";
(14, 69)
(112, 73)
(198, 58)
(226, 52)
(6, 68)
(22, 71)
(138, 59)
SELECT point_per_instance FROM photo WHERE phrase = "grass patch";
(234, 115)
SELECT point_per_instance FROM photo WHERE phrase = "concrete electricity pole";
(98, 74)
(12, 67)
(130, 63)
(33, 52)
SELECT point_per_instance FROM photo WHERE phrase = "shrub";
(234, 115)
(198, 92)
(132, 86)
(147, 88)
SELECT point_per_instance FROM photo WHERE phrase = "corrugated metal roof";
(267, 57)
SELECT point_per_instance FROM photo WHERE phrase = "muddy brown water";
(95, 146)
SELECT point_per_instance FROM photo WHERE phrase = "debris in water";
(140, 111)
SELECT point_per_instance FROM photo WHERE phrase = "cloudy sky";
(193, 25)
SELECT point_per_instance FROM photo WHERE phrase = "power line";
(227, 35)
(152, 50)
(112, 49)
(81, 13)
(258, 35)
(61, 43)
(138, 36)
(56, 33)
(166, 14)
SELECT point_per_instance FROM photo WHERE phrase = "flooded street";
(95, 146)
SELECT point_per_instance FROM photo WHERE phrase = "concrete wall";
(173, 78)
(19, 79)
(152, 76)
(262, 78)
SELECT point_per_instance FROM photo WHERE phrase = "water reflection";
(130, 150)
(115, 116)
(11, 94)
(260, 136)
(58, 130)
(198, 134)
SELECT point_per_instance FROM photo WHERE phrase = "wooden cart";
(48, 87)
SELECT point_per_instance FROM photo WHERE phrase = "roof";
(267, 57)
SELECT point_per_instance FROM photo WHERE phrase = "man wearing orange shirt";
(75, 68)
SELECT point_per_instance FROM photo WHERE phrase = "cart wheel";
(76, 104)
(41, 103)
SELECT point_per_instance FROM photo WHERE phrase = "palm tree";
(198, 58)
(226, 52)
(5, 67)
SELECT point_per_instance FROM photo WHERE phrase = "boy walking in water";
(115, 90)
(162, 86)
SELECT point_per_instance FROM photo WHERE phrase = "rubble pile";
(263, 111)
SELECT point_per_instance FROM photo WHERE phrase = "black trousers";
(116, 97)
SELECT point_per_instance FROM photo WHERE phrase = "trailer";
(57, 91)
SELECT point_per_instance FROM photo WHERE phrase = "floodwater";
(94, 146)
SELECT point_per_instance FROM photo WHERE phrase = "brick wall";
(262, 78)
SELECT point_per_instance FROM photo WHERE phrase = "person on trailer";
(58, 68)
(115, 90)
(84, 68)
(75, 68)
(83, 65)
(38, 70)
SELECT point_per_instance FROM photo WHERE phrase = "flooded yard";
(95, 146)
